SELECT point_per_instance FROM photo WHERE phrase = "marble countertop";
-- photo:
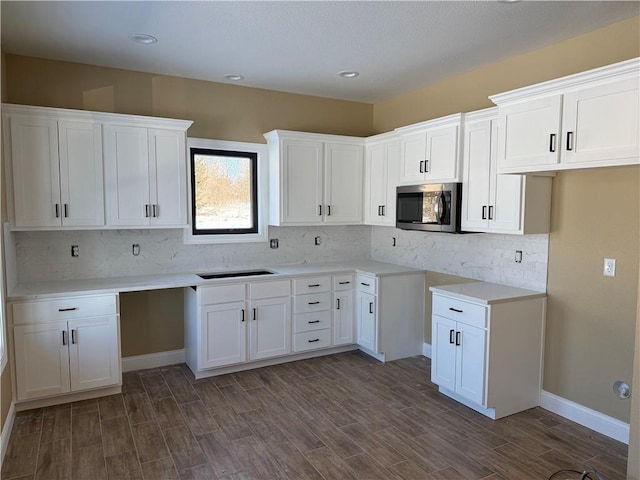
(486, 293)
(89, 286)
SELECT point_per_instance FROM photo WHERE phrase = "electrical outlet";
(609, 269)
(316, 240)
(273, 243)
(395, 243)
(75, 251)
(135, 249)
(518, 256)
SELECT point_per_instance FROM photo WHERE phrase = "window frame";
(261, 191)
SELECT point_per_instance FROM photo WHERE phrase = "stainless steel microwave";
(430, 207)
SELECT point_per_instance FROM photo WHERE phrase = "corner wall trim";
(426, 350)
(6, 431)
(601, 423)
(152, 360)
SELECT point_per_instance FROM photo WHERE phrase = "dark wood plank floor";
(343, 416)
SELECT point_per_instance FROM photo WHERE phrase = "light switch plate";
(609, 269)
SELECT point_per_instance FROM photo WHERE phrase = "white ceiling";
(300, 46)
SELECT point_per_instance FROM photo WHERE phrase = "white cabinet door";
(42, 359)
(302, 165)
(343, 179)
(375, 183)
(470, 362)
(529, 133)
(392, 180)
(441, 160)
(167, 177)
(127, 175)
(94, 353)
(367, 325)
(413, 156)
(36, 172)
(443, 358)
(343, 319)
(223, 335)
(601, 123)
(506, 206)
(81, 177)
(270, 328)
(477, 174)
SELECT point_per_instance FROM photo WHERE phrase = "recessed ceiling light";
(348, 74)
(234, 77)
(143, 38)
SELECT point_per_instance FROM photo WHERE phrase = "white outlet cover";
(609, 269)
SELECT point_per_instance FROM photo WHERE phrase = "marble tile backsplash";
(46, 256)
(487, 257)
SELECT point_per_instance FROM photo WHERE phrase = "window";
(226, 191)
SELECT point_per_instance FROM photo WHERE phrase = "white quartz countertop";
(32, 291)
(486, 293)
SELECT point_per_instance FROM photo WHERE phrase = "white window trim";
(263, 192)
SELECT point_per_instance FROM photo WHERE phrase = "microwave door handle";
(439, 208)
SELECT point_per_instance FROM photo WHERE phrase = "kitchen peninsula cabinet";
(487, 343)
(496, 203)
(585, 120)
(67, 345)
(315, 179)
(431, 151)
(54, 171)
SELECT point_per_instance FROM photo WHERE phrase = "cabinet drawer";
(311, 285)
(222, 293)
(368, 284)
(64, 308)
(460, 311)
(312, 303)
(311, 340)
(342, 282)
(307, 322)
(280, 288)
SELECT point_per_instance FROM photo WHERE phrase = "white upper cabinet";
(381, 178)
(497, 203)
(56, 159)
(431, 151)
(315, 179)
(581, 121)
(55, 173)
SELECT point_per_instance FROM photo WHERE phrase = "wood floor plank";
(116, 436)
(88, 463)
(84, 406)
(255, 459)
(334, 438)
(237, 397)
(181, 388)
(411, 450)
(21, 456)
(213, 399)
(248, 379)
(167, 413)
(123, 466)
(138, 407)
(233, 425)
(54, 460)
(200, 472)
(111, 406)
(366, 468)
(329, 464)
(407, 470)
(160, 470)
(184, 448)
(262, 398)
(263, 426)
(28, 422)
(85, 429)
(298, 432)
(132, 383)
(149, 441)
(383, 453)
(198, 418)
(56, 424)
(292, 462)
(155, 385)
(214, 447)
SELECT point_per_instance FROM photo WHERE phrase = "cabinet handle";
(155, 209)
(379, 210)
(313, 321)
(383, 214)
(313, 285)
(344, 283)
(451, 332)
(370, 307)
(314, 340)
(552, 142)
(426, 166)
(255, 314)
(490, 212)
(320, 210)
(242, 315)
(458, 339)
(455, 310)
(146, 210)
(484, 212)
(70, 309)
(569, 141)
(338, 306)
(328, 210)
(66, 210)
(313, 303)
(64, 337)
(421, 163)
(73, 336)
(365, 284)
(57, 210)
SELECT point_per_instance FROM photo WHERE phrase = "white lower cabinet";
(343, 311)
(487, 351)
(223, 332)
(312, 313)
(270, 332)
(58, 350)
(366, 321)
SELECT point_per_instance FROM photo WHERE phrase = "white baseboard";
(152, 360)
(426, 350)
(604, 424)
(6, 431)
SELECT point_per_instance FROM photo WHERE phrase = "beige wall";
(633, 466)
(468, 92)
(591, 318)
(220, 111)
